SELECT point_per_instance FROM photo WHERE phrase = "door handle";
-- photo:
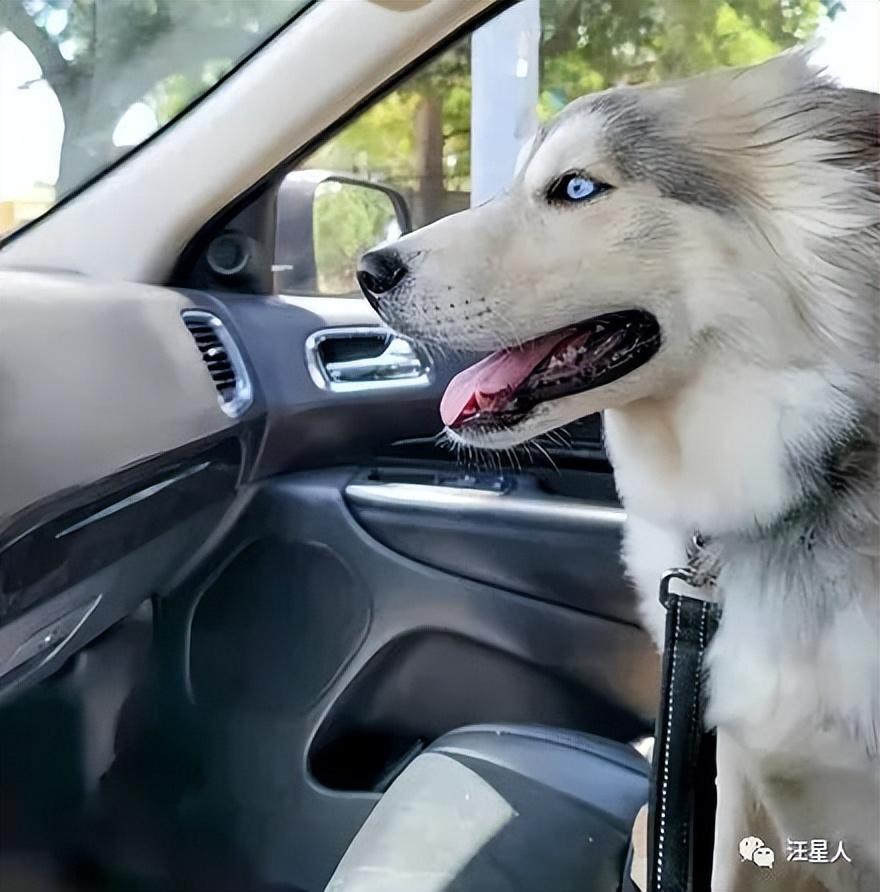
(399, 362)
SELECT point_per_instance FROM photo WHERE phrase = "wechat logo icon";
(752, 848)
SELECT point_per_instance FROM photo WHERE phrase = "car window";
(450, 134)
(83, 82)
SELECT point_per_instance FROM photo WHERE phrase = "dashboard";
(125, 417)
(133, 419)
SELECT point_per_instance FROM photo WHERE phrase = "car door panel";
(501, 536)
(319, 661)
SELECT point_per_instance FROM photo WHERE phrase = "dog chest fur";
(795, 663)
(719, 458)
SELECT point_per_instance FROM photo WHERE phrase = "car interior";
(259, 627)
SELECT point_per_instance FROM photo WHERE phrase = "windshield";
(83, 82)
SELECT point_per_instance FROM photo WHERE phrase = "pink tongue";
(488, 384)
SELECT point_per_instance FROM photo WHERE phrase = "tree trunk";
(429, 202)
(87, 145)
(76, 164)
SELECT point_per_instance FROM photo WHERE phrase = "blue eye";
(574, 187)
(578, 188)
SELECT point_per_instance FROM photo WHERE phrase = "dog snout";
(378, 272)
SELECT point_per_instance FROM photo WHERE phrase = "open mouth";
(505, 386)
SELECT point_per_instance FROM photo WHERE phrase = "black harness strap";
(683, 798)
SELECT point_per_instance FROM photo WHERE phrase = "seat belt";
(681, 817)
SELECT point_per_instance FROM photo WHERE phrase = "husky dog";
(699, 260)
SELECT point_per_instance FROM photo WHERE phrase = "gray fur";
(641, 148)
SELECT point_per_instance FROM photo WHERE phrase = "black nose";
(378, 272)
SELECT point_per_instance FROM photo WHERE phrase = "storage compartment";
(275, 628)
(427, 683)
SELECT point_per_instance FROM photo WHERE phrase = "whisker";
(547, 455)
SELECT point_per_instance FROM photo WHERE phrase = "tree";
(101, 56)
(594, 44)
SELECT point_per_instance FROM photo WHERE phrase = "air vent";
(222, 359)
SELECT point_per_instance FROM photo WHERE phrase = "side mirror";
(325, 222)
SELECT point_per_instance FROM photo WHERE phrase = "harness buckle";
(702, 582)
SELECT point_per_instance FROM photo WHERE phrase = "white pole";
(504, 82)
